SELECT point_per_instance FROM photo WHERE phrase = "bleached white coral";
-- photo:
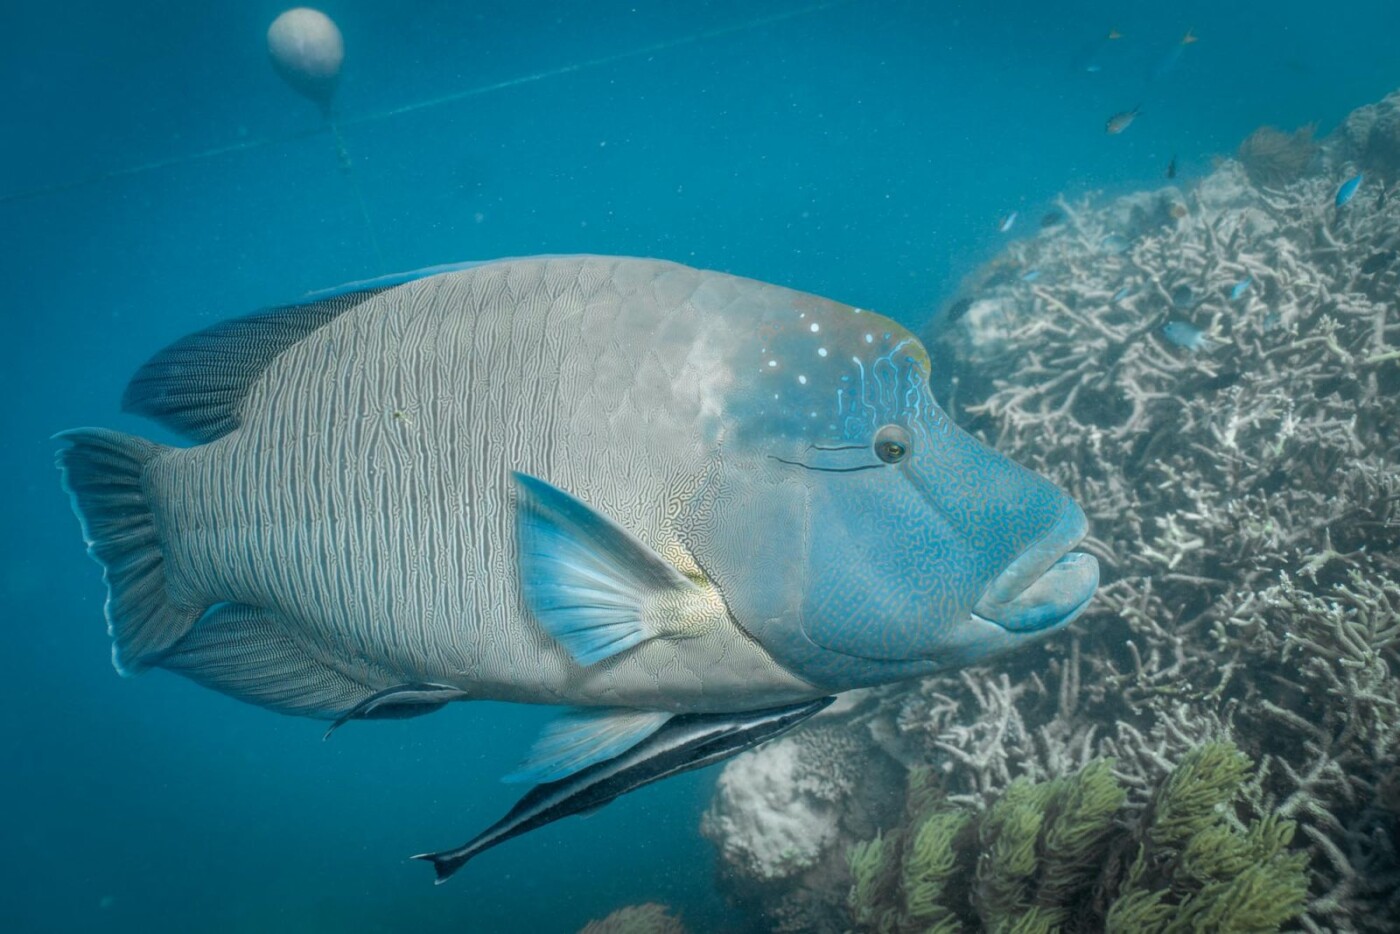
(778, 809)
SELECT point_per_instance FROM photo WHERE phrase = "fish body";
(1007, 222)
(1122, 293)
(1348, 189)
(1241, 287)
(1121, 121)
(1115, 243)
(1170, 61)
(539, 480)
(686, 742)
(1091, 57)
(1030, 275)
(1185, 335)
(1171, 168)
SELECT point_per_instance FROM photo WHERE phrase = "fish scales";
(414, 438)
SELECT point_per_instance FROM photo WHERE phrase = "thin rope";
(347, 167)
(265, 141)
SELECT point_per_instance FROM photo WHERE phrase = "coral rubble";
(648, 918)
(1244, 500)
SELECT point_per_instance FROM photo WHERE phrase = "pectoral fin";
(581, 737)
(593, 585)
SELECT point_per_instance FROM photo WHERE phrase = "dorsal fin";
(196, 385)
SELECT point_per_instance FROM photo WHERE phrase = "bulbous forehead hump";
(803, 366)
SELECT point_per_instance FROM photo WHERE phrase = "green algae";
(1066, 856)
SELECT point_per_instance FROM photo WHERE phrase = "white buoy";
(307, 51)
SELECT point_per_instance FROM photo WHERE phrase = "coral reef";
(1244, 501)
(1272, 158)
(1370, 137)
(1060, 856)
(649, 918)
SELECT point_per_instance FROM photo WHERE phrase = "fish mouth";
(1048, 585)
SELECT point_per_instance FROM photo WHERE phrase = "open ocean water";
(157, 176)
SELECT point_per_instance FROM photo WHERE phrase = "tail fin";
(102, 472)
(447, 862)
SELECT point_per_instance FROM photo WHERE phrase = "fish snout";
(1047, 585)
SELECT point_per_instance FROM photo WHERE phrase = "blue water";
(864, 150)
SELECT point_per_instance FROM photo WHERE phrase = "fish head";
(855, 531)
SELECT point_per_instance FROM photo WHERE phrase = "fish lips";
(1048, 585)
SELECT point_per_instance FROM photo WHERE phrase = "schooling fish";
(1007, 222)
(1121, 121)
(685, 742)
(537, 480)
(1348, 189)
(1237, 292)
(1185, 335)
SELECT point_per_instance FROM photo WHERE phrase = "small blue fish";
(1006, 223)
(1348, 189)
(1185, 335)
(1169, 61)
(1030, 275)
(1122, 293)
(1090, 58)
(1240, 288)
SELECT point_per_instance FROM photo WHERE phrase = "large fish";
(623, 485)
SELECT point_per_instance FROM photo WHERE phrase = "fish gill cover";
(1245, 503)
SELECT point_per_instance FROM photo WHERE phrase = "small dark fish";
(1052, 218)
(685, 742)
(1348, 189)
(958, 309)
(1171, 168)
(1378, 261)
(1183, 295)
(1222, 381)
(1006, 223)
(1121, 121)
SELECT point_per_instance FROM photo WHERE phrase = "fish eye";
(892, 444)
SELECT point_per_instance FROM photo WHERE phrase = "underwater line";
(262, 142)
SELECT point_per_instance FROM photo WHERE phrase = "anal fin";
(399, 703)
(583, 736)
(248, 653)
